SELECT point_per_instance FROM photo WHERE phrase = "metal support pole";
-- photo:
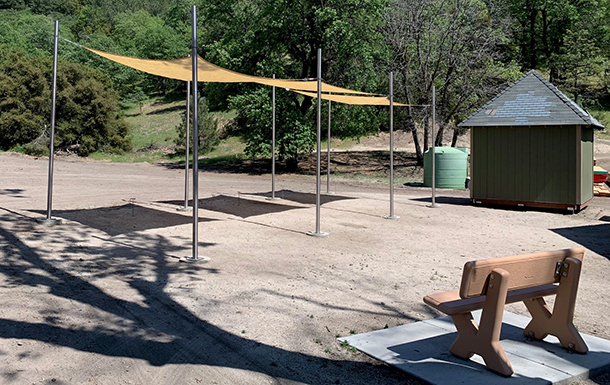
(186, 206)
(273, 142)
(49, 220)
(433, 147)
(391, 216)
(195, 257)
(318, 233)
(328, 151)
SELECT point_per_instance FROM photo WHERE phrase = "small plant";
(243, 331)
(327, 350)
(353, 331)
(209, 133)
(318, 341)
(344, 344)
(338, 335)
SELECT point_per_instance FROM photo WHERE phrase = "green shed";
(531, 146)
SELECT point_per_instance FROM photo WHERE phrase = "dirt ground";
(103, 298)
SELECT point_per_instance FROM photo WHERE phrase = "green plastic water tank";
(451, 168)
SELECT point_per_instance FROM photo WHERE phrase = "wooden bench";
(490, 284)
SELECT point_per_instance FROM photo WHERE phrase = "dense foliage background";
(467, 49)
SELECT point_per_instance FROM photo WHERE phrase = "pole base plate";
(183, 208)
(316, 234)
(191, 259)
(273, 198)
(433, 206)
(49, 222)
(391, 217)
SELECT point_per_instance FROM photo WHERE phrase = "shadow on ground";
(303, 198)
(239, 206)
(124, 219)
(446, 200)
(594, 237)
(156, 328)
(13, 192)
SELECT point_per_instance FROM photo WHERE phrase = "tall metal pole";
(273, 142)
(328, 151)
(433, 147)
(49, 220)
(195, 255)
(391, 216)
(187, 139)
(317, 233)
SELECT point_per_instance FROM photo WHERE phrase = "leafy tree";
(209, 135)
(88, 113)
(12, 4)
(540, 28)
(580, 64)
(150, 38)
(125, 80)
(282, 37)
(25, 102)
(33, 33)
(451, 44)
(48, 7)
(87, 116)
(90, 20)
(293, 129)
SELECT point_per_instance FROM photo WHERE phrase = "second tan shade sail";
(354, 100)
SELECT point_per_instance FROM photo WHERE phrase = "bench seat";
(489, 284)
(451, 303)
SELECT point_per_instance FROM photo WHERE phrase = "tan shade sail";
(354, 100)
(180, 69)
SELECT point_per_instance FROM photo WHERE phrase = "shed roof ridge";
(493, 99)
(580, 114)
(579, 111)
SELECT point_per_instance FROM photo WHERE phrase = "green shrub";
(88, 115)
(38, 146)
(209, 134)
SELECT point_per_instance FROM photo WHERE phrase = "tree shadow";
(14, 192)
(593, 237)
(156, 328)
(127, 218)
(166, 110)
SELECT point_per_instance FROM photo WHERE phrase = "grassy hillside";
(153, 125)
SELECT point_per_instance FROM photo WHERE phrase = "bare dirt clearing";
(102, 299)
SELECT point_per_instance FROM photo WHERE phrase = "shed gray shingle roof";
(530, 101)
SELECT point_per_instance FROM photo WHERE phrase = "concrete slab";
(422, 349)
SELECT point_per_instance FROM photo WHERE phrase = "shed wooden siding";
(586, 151)
(526, 163)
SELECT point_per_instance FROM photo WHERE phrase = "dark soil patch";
(370, 163)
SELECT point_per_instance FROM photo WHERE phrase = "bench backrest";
(528, 270)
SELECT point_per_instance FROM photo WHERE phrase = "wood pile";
(601, 181)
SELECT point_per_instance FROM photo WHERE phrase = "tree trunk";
(409, 125)
(455, 136)
(438, 141)
(426, 133)
(532, 26)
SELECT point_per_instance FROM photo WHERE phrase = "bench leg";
(559, 322)
(484, 339)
